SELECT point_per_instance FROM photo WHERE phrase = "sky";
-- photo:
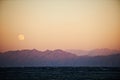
(59, 24)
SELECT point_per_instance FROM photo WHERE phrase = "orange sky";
(63, 24)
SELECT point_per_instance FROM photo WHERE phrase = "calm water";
(60, 73)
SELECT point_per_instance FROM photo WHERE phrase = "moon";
(21, 37)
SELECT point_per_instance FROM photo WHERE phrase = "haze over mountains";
(29, 58)
(94, 52)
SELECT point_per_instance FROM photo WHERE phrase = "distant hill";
(94, 52)
(29, 58)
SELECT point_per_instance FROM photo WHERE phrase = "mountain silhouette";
(95, 52)
(58, 57)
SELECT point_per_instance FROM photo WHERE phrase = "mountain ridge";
(95, 52)
(56, 57)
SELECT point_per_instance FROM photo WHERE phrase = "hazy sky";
(63, 24)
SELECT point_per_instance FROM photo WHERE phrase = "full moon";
(21, 37)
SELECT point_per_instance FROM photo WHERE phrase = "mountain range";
(94, 52)
(58, 57)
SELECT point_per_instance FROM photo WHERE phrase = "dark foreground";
(60, 73)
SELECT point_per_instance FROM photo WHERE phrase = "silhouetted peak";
(47, 51)
(59, 51)
(34, 50)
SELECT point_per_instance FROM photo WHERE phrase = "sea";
(60, 73)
